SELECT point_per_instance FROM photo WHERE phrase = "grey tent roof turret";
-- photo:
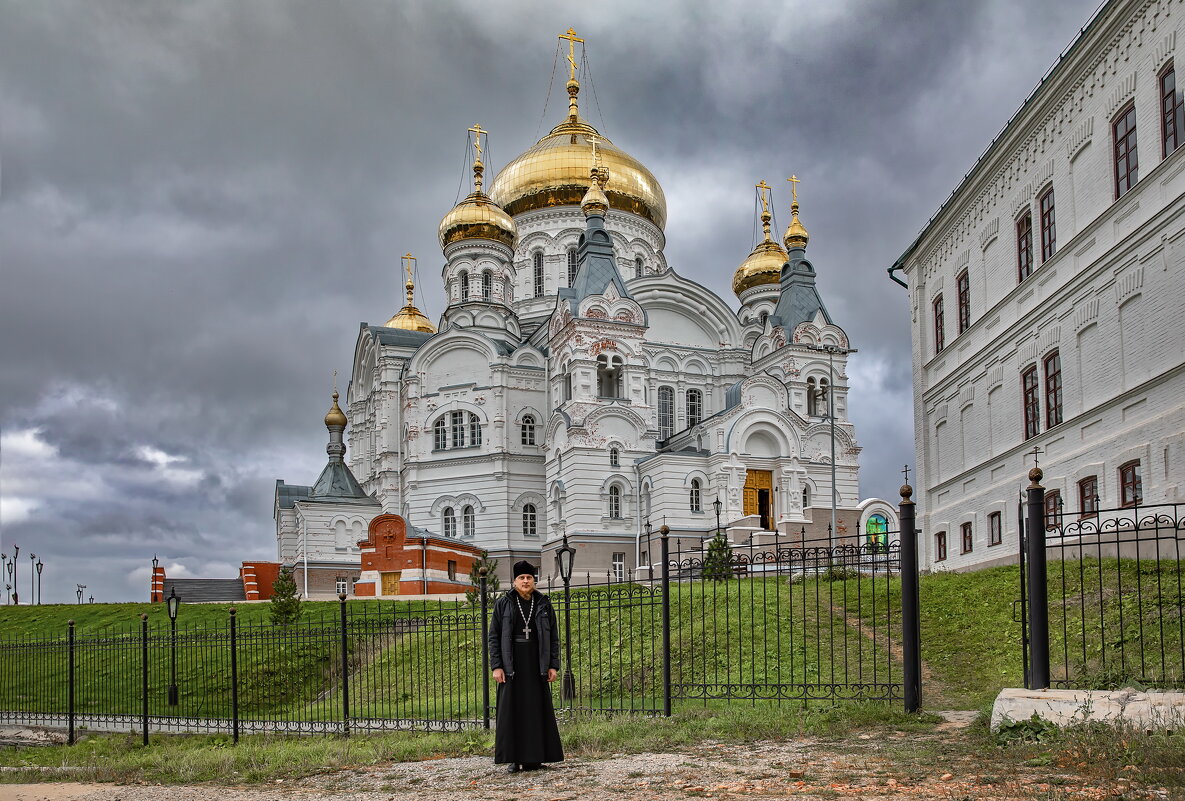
(336, 482)
(799, 300)
(596, 264)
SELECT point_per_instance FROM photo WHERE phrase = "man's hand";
(552, 674)
(499, 675)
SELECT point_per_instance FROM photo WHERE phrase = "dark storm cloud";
(200, 201)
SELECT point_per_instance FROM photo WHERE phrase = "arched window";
(530, 521)
(538, 264)
(567, 385)
(824, 407)
(474, 429)
(666, 412)
(695, 407)
(571, 266)
(697, 495)
(615, 502)
(614, 457)
(637, 266)
(609, 376)
(487, 285)
(806, 497)
(528, 429)
(439, 435)
(463, 282)
(812, 398)
(450, 522)
(468, 523)
(457, 424)
(877, 531)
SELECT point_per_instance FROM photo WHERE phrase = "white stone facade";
(1107, 302)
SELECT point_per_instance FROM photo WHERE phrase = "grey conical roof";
(799, 300)
(596, 265)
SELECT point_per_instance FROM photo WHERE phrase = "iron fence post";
(911, 630)
(1038, 587)
(144, 676)
(485, 647)
(234, 676)
(664, 535)
(345, 667)
(70, 683)
(1024, 602)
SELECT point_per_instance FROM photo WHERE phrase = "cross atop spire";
(409, 263)
(1035, 452)
(906, 472)
(794, 182)
(478, 167)
(763, 190)
(572, 40)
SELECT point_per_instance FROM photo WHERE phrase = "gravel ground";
(869, 767)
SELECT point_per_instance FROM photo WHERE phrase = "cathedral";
(577, 385)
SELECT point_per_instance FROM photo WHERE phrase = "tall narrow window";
(614, 457)
(963, 283)
(968, 538)
(468, 522)
(637, 266)
(458, 429)
(812, 398)
(939, 325)
(1024, 246)
(940, 546)
(695, 407)
(474, 429)
(609, 376)
(487, 285)
(1031, 401)
(568, 382)
(615, 502)
(1088, 495)
(452, 570)
(806, 497)
(1053, 389)
(697, 495)
(439, 435)
(824, 408)
(571, 266)
(1170, 111)
(1048, 226)
(463, 282)
(995, 528)
(530, 521)
(618, 564)
(1127, 161)
(528, 429)
(538, 264)
(1131, 491)
(450, 522)
(666, 412)
(1053, 509)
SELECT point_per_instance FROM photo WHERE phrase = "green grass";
(174, 759)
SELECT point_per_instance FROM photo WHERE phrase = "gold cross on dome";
(477, 131)
(794, 182)
(906, 472)
(409, 262)
(572, 40)
(335, 382)
(763, 188)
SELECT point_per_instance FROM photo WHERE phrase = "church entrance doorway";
(759, 496)
(391, 583)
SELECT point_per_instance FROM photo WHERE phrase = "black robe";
(526, 732)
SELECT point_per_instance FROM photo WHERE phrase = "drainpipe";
(638, 518)
(424, 561)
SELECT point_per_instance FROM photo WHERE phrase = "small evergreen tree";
(718, 560)
(285, 602)
(472, 594)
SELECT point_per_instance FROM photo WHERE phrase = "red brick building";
(394, 563)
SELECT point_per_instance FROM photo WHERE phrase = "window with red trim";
(1127, 162)
(940, 546)
(1170, 111)
(1130, 490)
(968, 538)
(1053, 509)
(1053, 389)
(995, 528)
(1088, 495)
(1030, 397)
(939, 325)
(1048, 225)
(1024, 246)
(963, 283)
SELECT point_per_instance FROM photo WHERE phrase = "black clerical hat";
(523, 568)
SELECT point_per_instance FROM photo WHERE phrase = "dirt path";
(892, 765)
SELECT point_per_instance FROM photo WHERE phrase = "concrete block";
(1144, 710)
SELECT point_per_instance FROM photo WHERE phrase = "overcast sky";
(200, 201)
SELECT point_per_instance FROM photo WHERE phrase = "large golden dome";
(478, 217)
(764, 264)
(555, 172)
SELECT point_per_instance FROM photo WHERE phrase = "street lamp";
(8, 573)
(78, 588)
(92, 599)
(16, 549)
(565, 554)
(173, 602)
(649, 551)
(39, 566)
(716, 504)
(32, 578)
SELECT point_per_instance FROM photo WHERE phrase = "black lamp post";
(16, 549)
(39, 566)
(565, 554)
(173, 602)
(8, 573)
(78, 588)
(92, 599)
(649, 551)
(32, 578)
(716, 504)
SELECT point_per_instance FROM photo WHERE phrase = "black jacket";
(501, 637)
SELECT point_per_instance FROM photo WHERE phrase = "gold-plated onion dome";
(594, 201)
(335, 416)
(796, 235)
(764, 264)
(478, 217)
(554, 172)
(409, 318)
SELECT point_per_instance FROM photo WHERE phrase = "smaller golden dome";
(478, 217)
(595, 201)
(409, 318)
(796, 235)
(335, 416)
(764, 264)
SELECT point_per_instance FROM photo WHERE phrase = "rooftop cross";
(409, 263)
(794, 182)
(477, 131)
(763, 188)
(572, 40)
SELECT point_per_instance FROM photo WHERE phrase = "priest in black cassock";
(525, 656)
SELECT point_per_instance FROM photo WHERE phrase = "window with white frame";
(615, 502)
(571, 266)
(666, 412)
(474, 429)
(449, 528)
(439, 435)
(618, 565)
(530, 521)
(614, 457)
(528, 429)
(487, 285)
(537, 260)
(458, 426)
(463, 284)
(343, 585)
(806, 497)
(695, 407)
(468, 522)
(697, 495)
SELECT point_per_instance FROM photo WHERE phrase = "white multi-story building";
(579, 385)
(1048, 298)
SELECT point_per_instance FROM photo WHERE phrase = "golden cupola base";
(409, 318)
(764, 265)
(477, 216)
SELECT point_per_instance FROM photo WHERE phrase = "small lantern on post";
(565, 555)
(40, 565)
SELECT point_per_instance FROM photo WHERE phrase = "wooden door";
(756, 480)
(391, 583)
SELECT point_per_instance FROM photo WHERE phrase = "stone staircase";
(202, 590)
